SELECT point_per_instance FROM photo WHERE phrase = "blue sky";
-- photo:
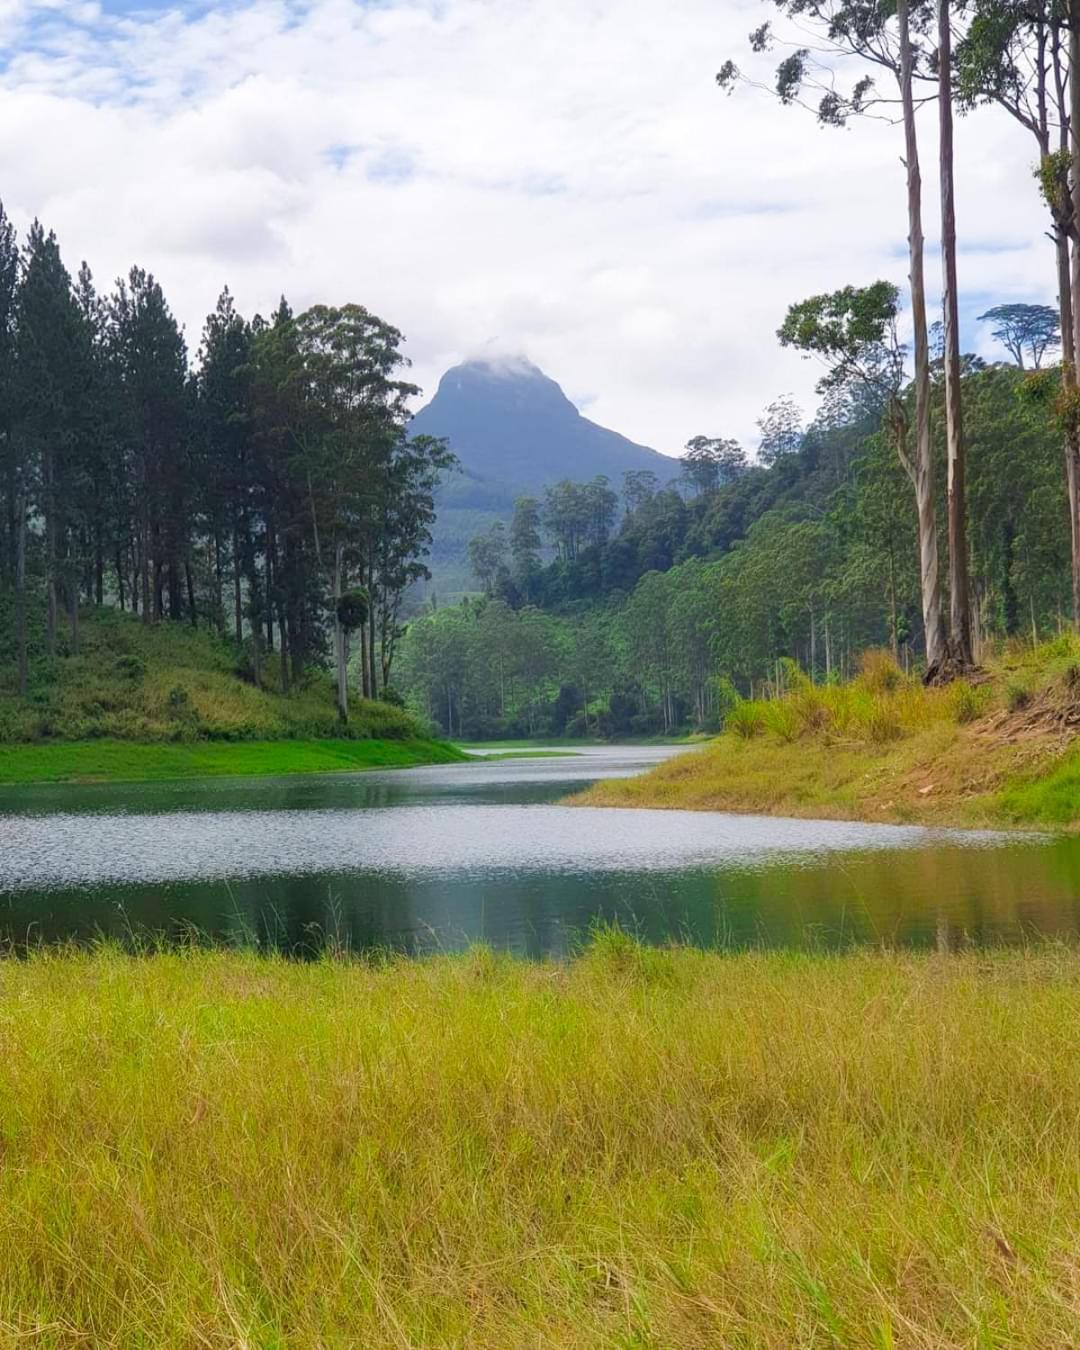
(555, 178)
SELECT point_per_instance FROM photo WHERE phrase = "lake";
(436, 858)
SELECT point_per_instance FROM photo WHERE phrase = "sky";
(559, 179)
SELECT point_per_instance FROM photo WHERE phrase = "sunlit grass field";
(997, 749)
(641, 1148)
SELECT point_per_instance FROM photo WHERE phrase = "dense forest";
(663, 605)
(270, 492)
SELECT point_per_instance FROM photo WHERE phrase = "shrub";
(1017, 696)
(782, 719)
(130, 668)
(878, 670)
(745, 719)
(178, 698)
(966, 703)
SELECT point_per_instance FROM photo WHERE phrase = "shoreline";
(946, 777)
(117, 761)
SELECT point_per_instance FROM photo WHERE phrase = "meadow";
(996, 749)
(643, 1147)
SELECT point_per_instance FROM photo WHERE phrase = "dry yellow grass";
(883, 748)
(644, 1148)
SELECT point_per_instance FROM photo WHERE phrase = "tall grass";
(643, 1148)
(881, 704)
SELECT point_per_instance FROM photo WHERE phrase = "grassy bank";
(645, 1148)
(168, 701)
(128, 761)
(1000, 749)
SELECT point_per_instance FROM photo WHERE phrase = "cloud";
(558, 180)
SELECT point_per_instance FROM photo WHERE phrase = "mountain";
(514, 432)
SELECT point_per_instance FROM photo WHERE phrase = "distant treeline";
(271, 492)
(664, 605)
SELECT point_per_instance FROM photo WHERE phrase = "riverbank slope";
(167, 701)
(999, 750)
(644, 1147)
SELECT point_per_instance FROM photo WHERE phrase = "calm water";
(439, 857)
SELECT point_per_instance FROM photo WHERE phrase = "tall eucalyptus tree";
(886, 36)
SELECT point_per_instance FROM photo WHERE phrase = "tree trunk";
(193, 613)
(20, 588)
(1072, 429)
(923, 463)
(50, 551)
(238, 605)
(73, 616)
(372, 664)
(340, 655)
(959, 584)
(144, 554)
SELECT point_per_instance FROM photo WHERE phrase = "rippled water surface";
(442, 856)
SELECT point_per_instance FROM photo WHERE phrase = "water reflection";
(440, 857)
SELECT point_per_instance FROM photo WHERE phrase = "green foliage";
(137, 683)
(353, 608)
(746, 719)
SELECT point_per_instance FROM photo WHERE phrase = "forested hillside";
(665, 605)
(267, 491)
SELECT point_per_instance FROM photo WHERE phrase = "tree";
(1035, 329)
(959, 586)
(50, 379)
(14, 462)
(853, 332)
(487, 556)
(639, 486)
(355, 414)
(781, 430)
(1015, 54)
(710, 462)
(403, 539)
(525, 543)
(881, 35)
(150, 357)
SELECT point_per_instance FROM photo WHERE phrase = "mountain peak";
(509, 423)
(515, 433)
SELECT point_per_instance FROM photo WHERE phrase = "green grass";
(66, 761)
(994, 751)
(169, 682)
(1052, 798)
(644, 1148)
(168, 701)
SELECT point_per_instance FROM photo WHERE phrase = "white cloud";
(559, 179)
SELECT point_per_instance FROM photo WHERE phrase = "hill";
(514, 432)
(172, 701)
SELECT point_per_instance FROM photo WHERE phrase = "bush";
(130, 668)
(746, 719)
(782, 719)
(878, 670)
(1017, 696)
(966, 703)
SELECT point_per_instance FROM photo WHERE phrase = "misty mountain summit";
(512, 425)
